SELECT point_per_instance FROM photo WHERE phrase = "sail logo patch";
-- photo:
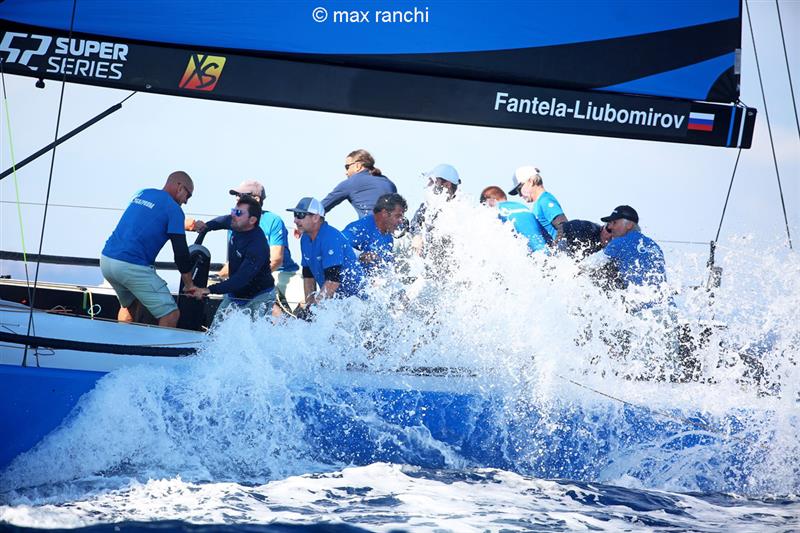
(701, 121)
(202, 73)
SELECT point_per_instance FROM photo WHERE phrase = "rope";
(788, 70)
(16, 182)
(49, 186)
(769, 126)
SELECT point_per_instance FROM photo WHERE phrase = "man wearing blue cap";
(328, 260)
(528, 183)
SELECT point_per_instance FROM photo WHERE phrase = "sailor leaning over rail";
(153, 217)
(518, 215)
(328, 259)
(373, 235)
(250, 285)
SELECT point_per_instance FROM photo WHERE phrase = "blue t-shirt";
(278, 235)
(639, 259)
(546, 208)
(145, 227)
(524, 222)
(329, 249)
(365, 236)
(362, 189)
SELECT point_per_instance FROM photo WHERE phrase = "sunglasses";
(237, 212)
(348, 165)
(188, 192)
(300, 216)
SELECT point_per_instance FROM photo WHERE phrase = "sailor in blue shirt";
(638, 261)
(521, 218)
(250, 284)
(528, 183)
(328, 259)
(153, 217)
(363, 186)
(372, 235)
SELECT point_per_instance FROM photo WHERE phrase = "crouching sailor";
(250, 285)
(328, 259)
(638, 259)
(153, 217)
(372, 234)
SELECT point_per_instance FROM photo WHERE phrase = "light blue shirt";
(546, 208)
(277, 235)
(524, 222)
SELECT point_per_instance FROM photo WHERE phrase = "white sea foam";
(542, 340)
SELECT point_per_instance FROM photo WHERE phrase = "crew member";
(153, 217)
(528, 183)
(364, 184)
(372, 235)
(250, 285)
(521, 218)
(328, 259)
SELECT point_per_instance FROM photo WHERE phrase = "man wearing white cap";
(328, 259)
(528, 183)
(285, 271)
(443, 179)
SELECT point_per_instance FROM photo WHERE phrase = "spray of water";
(545, 374)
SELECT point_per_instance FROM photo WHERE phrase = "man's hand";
(190, 224)
(197, 292)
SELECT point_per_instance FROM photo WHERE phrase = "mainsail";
(641, 70)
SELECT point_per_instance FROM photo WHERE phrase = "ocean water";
(585, 418)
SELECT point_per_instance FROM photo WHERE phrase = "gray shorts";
(258, 307)
(136, 282)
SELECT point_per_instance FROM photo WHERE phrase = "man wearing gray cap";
(328, 259)
(284, 269)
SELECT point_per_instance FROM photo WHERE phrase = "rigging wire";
(728, 196)
(49, 187)
(16, 182)
(788, 70)
(769, 126)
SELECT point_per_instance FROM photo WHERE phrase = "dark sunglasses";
(237, 212)
(188, 192)
(348, 165)
(300, 216)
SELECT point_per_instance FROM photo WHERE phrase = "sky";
(678, 190)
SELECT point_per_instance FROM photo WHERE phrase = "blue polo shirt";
(524, 222)
(639, 259)
(365, 236)
(278, 235)
(329, 249)
(546, 208)
(145, 227)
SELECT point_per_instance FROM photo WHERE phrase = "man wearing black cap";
(638, 258)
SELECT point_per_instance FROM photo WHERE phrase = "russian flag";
(701, 121)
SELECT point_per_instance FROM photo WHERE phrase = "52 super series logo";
(62, 55)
